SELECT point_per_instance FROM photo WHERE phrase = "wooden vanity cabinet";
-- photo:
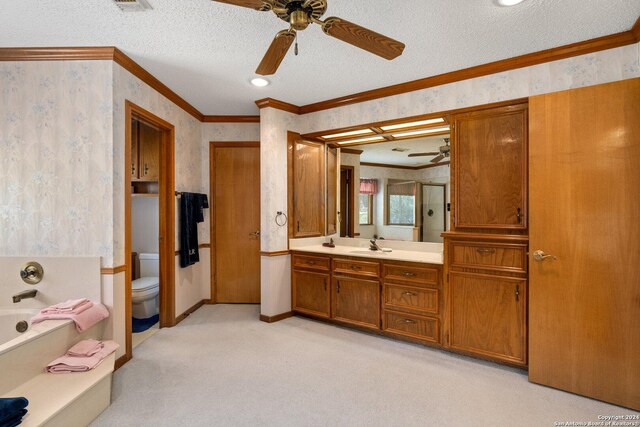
(489, 168)
(310, 282)
(356, 301)
(307, 184)
(145, 152)
(487, 296)
(412, 301)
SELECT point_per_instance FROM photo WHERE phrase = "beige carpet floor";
(223, 367)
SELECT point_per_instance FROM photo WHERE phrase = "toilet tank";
(149, 265)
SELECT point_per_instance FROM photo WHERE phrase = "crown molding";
(231, 119)
(134, 68)
(555, 54)
(57, 53)
(280, 105)
(635, 30)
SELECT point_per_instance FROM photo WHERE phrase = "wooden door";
(490, 169)
(344, 203)
(235, 185)
(149, 148)
(356, 301)
(332, 190)
(307, 184)
(585, 210)
(310, 293)
(488, 316)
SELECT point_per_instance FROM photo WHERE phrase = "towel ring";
(278, 215)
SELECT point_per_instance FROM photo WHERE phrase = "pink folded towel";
(85, 348)
(68, 363)
(75, 306)
(83, 320)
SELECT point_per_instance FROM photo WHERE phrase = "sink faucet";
(374, 246)
(25, 294)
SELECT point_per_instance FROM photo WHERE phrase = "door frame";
(212, 210)
(350, 207)
(166, 202)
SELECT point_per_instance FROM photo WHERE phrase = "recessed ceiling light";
(350, 133)
(412, 124)
(260, 82)
(509, 2)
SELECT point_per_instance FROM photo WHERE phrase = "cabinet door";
(134, 149)
(488, 316)
(310, 293)
(149, 162)
(356, 301)
(308, 187)
(490, 168)
(332, 190)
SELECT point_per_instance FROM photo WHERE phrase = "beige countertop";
(394, 255)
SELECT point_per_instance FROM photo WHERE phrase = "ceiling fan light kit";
(300, 14)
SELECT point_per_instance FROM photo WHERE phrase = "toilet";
(144, 291)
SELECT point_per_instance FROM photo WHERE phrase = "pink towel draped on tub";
(71, 363)
(84, 319)
(75, 306)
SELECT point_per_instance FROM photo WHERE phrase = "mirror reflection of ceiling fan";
(441, 154)
(299, 14)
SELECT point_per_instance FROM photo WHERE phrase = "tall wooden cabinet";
(486, 251)
(307, 185)
(332, 190)
(490, 166)
(145, 152)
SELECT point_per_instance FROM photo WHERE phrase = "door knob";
(541, 256)
(255, 233)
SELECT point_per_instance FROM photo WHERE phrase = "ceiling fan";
(299, 14)
(444, 152)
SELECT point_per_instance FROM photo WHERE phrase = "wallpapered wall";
(56, 166)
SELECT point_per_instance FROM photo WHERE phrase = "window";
(401, 202)
(366, 209)
(368, 187)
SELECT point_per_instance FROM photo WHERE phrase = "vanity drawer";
(360, 268)
(414, 274)
(412, 326)
(399, 297)
(308, 261)
(508, 257)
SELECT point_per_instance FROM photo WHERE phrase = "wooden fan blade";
(424, 154)
(437, 159)
(363, 38)
(252, 4)
(276, 52)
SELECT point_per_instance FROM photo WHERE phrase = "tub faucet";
(374, 246)
(25, 294)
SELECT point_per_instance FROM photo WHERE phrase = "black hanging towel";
(191, 213)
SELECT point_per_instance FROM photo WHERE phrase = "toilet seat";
(144, 284)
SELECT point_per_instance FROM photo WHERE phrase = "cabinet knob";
(409, 274)
(407, 321)
(146, 169)
(355, 267)
(411, 294)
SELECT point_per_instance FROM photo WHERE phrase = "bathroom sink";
(365, 252)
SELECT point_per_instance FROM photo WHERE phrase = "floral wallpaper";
(56, 192)
(585, 70)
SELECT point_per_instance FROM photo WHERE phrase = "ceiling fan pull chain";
(296, 48)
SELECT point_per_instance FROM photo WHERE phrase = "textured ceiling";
(382, 152)
(207, 51)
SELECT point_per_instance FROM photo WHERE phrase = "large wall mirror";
(394, 180)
